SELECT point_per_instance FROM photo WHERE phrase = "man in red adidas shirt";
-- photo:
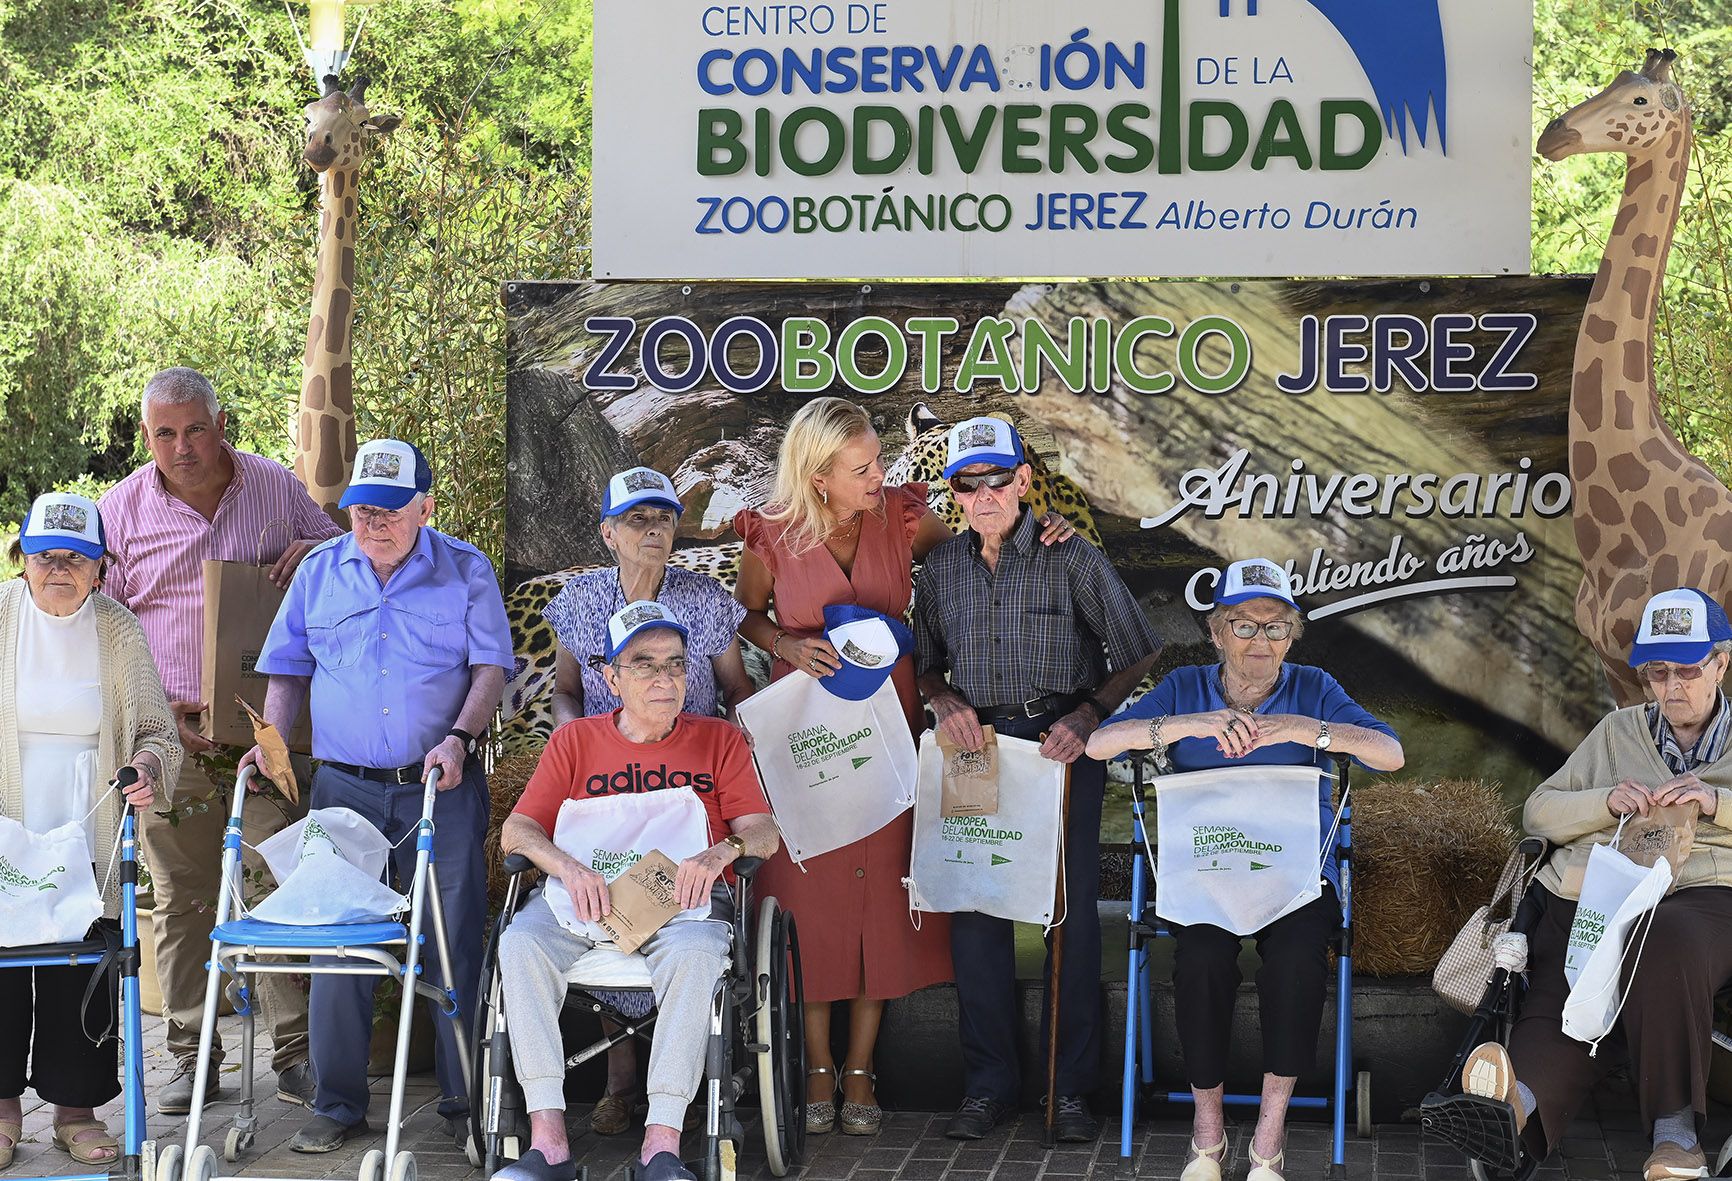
(645, 745)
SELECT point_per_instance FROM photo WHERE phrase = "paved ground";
(910, 1148)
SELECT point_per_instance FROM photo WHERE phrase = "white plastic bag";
(610, 833)
(835, 771)
(1238, 846)
(329, 868)
(48, 888)
(1595, 996)
(1006, 864)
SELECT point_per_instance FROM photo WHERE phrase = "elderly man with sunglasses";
(1039, 642)
(396, 635)
(1670, 751)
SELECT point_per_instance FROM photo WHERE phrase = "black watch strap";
(465, 737)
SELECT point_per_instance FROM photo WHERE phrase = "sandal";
(13, 1130)
(1206, 1165)
(1264, 1169)
(613, 1112)
(66, 1137)
(820, 1116)
(861, 1119)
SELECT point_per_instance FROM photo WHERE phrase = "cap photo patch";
(639, 615)
(976, 434)
(65, 518)
(860, 656)
(1673, 621)
(642, 481)
(382, 465)
(1260, 576)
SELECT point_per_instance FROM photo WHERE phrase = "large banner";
(956, 138)
(1398, 445)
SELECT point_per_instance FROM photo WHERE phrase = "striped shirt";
(1709, 745)
(159, 544)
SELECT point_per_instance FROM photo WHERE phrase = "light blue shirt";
(390, 664)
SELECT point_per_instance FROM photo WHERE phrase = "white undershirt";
(59, 703)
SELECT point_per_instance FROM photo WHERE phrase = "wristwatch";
(463, 736)
(737, 843)
(1322, 742)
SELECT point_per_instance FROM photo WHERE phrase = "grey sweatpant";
(685, 961)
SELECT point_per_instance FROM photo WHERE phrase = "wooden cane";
(1060, 906)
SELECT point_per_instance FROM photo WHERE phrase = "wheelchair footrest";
(1484, 1129)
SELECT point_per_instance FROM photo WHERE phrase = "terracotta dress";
(856, 937)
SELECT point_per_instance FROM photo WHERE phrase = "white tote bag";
(329, 868)
(48, 888)
(835, 771)
(1006, 864)
(610, 833)
(1595, 995)
(1238, 846)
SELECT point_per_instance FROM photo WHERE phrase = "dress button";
(386, 710)
(384, 671)
(859, 873)
(384, 635)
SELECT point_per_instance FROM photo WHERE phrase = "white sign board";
(1023, 138)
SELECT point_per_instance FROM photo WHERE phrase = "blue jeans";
(340, 1008)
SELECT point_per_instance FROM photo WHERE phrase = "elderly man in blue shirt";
(397, 633)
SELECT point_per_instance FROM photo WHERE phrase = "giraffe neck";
(1613, 405)
(326, 436)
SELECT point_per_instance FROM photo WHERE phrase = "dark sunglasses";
(996, 478)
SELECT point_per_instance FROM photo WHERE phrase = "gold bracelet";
(776, 644)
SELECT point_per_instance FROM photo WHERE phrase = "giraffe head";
(1638, 114)
(338, 123)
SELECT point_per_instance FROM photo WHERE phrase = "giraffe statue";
(337, 126)
(1648, 515)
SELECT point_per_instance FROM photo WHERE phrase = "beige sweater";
(1569, 809)
(135, 714)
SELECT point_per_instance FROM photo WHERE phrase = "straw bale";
(505, 784)
(1426, 854)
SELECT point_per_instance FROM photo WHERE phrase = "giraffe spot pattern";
(1598, 329)
(1586, 393)
(337, 328)
(1640, 174)
(1666, 570)
(315, 326)
(1626, 215)
(1583, 460)
(1644, 245)
(1604, 506)
(1628, 473)
(1719, 529)
(1656, 451)
(348, 267)
(1637, 283)
(1623, 634)
(331, 467)
(1587, 536)
(1635, 363)
(342, 225)
(339, 180)
(1698, 567)
(314, 393)
(343, 389)
(1675, 507)
(1623, 411)
(1703, 496)
(1646, 522)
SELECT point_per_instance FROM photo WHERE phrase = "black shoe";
(1072, 1123)
(295, 1085)
(977, 1117)
(532, 1166)
(324, 1134)
(664, 1166)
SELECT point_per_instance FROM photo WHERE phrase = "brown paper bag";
(275, 754)
(642, 899)
(240, 603)
(970, 783)
(1667, 833)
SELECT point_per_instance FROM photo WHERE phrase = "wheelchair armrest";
(516, 863)
(1534, 849)
(745, 867)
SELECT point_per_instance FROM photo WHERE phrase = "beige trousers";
(185, 859)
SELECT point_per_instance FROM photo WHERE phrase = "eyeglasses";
(648, 670)
(1247, 629)
(377, 516)
(1658, 672)
(58, 560)
(998, 477)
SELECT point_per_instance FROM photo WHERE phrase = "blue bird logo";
(1399, 45)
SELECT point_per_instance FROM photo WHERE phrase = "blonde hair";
(816, 435)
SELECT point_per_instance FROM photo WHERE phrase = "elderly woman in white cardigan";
(79, 698)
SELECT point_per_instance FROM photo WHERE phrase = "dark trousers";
(1290, 990)
(984, 952)
(1666, 1023)
(340, 1008)
(43, 1043)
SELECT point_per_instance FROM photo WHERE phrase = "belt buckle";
(1028, 710)
(402, 775)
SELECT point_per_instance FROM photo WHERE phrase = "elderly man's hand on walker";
(449, 756)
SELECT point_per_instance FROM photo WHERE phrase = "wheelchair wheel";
(372, 1165)
(505, 1146)
(1723, 1162)
(780, 1028)
(1362, 1103)
(201, 1165)
(168, 1163)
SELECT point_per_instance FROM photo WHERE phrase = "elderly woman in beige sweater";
(79, 698)
(1670, 751)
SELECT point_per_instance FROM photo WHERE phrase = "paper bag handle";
(259, 552)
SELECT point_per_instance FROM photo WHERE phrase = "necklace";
(842, 531)
(1240, 703)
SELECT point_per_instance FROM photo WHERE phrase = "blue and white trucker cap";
(388, 473)
(1680, 626)
(1254, 578)
(981, 440)
(869, 644)
(639, 485)
(633, 618)
(63, 520)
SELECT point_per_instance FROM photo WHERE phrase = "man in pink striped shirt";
(200, 498)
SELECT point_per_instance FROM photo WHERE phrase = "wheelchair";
(1350, 1091)
(757, 1012)
(1484, 1129)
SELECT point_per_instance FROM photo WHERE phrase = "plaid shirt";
(1709, 747)
(1049, 619)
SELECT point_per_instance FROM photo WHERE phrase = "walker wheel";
(155, 1163)
(1362, 1100)
(235, 1143)
(372, 1165)
(201, 1165)
(403, 1167)
(472, 1150)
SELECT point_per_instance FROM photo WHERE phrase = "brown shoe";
(1489, 1074)
(613, 1112)
(1670, 1161)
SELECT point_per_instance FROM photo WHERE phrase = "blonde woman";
(835, 532)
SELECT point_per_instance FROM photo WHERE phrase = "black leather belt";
(398, 775)
(1058, 703)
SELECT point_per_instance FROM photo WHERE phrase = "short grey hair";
(177, 387)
